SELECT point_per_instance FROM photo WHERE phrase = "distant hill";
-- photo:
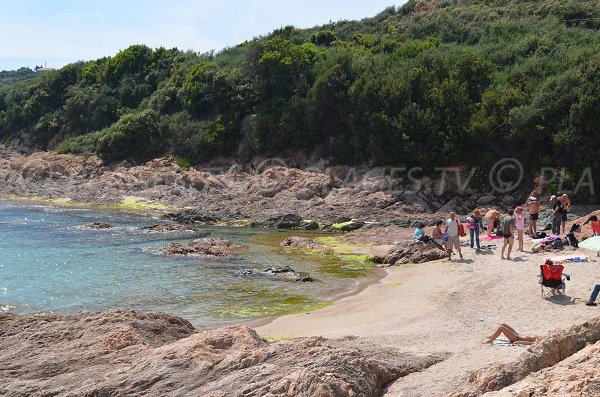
(429, 83)
(8, 77)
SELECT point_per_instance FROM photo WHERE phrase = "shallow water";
(50, 263)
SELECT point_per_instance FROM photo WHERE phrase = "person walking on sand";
(520, 223)
(557, 215)
(508, 223)
(453, 237)
(492, 216)
(566, 204)
(476, 225)
(533, 205)
(512, 335)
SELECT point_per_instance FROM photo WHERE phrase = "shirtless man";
(533, 204)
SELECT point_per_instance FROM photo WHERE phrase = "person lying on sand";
(512, 335)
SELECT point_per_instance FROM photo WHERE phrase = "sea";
(52, 263)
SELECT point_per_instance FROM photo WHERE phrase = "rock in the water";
(99, 225)
(167, 227)
(191, 216)
(127, 353)
(287, 221)
(305, 243)
(415, 252)
(201, 246)
(348, 226)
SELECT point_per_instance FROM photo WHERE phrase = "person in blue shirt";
(419, 232)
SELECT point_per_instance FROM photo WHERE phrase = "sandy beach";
(450, 307)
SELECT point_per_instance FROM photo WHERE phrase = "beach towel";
(569, 258)
(503, 341)
(489, 238)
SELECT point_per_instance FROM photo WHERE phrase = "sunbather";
(512, 335)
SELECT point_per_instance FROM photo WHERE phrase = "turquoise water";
(50, 263)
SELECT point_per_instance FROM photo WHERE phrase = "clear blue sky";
(63, 31)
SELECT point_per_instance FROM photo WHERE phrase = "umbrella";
(592, 243)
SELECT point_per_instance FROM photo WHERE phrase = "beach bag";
(538, 235)
(461, 230)
(557, 244)
(572, 240)
(537, 248)
(424, 238)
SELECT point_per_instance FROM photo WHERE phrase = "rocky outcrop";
(127, 353)
(209, 247)
(305, 243)
(550, 350)
(167, 227)
(414, 252)
(191, 216)
(98, 225)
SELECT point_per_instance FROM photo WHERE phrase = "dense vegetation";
(428, 83)
(8, 77)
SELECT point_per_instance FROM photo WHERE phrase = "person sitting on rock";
(419, 233)
(436, 234)
(595, 224)
(512, 335)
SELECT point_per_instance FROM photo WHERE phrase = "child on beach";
(419, 232)
(566, 204)
(520, 222)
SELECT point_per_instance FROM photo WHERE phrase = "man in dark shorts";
(508, 224)
(533, 205)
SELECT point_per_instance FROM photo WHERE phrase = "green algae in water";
(274, 304)
(341, 264)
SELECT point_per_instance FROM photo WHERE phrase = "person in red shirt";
(595, 223)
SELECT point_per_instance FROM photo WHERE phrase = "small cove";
(50, 263)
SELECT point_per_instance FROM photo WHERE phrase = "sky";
(58, 32)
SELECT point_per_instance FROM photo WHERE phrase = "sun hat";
(519, 208)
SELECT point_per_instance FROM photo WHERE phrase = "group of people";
(447, 234)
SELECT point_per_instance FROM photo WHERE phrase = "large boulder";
(287, 221)
(415, 252)
(127, 353)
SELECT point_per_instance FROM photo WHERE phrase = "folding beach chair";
(552, 278)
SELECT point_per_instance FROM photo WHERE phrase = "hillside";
(8, 77)
(428, 83)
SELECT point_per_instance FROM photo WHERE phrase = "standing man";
(557, 215)
(453, 237)
(533, 205)
(508, 224)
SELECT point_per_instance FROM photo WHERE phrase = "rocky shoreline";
(128, 353)
(337, 198)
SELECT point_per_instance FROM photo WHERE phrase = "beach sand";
(446, 306)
